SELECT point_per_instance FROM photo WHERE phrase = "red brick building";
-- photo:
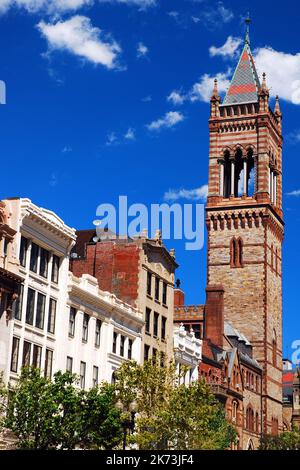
(227, 365)
(139, 271)
(244, 221)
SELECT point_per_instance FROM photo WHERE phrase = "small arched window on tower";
(226, 175)
(236, 253)
(274, 349)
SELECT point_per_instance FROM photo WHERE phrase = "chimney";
(178, 295)
(214, 315)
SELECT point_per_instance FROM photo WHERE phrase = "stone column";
(275, 189)
(232, 177)
(221, 162)
(245, 189)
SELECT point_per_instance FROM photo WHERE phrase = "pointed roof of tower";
(245, 85)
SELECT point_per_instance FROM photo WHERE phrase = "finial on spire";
(277, 111)
(215, 90)
(247, 22)
(264, 82)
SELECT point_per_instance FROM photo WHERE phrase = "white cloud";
(191, 194)
(49, 6)
(111, 139)
(53, 180)
(228, 49)
(169, 120)
(142, 50)
(202, 90)
(142, 4)
(195, 19)
(216, 15)
(78, 36)
(130, 134)
(296, 192)
(147, 99)
(283, 72)
(67, 149)
(173, 14)
(176, 98)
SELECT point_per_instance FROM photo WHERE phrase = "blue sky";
(109, 97)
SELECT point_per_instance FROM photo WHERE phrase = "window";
(155, 324)
(165, 290)
(97, 333)
(82, 374)
(146, 352)
(51, 316)
(157, 288)
(5, 248)
(85, 327)
(154, 355)
(257, 423)
(34, 257)
(48, 363)
(36, 356)
(72, 321)
(114, 348)
(148, 320)
(149, 283)
(234, 410)
(30, 306)
(236, 253)
(130, 343)
(44, 260)
(18, 304)
(55, 269)
(23, 251)
(69, 367)
(95, 376)
(250, 419)
(40, 311)
(163, 327)
(15, 354)
(122, 344)
(162, 359)
(26, 354)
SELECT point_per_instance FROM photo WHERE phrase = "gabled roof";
(245, 85)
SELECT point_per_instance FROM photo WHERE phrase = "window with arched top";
(235, 406)
(250, 419)
(236, 253)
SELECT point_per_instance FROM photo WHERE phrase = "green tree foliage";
(172, 415)
(52, 415)
(289, 440)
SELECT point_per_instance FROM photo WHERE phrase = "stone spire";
(245, 85)
(215, 101)
(277, 111)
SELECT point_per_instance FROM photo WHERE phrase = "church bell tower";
(244, 221)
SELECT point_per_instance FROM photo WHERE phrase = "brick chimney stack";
(178, 295)
(214, 315)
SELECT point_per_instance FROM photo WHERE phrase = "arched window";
(236, 253)
(250, 445)
(250, 419)
(257, 423)
(227, 174)
(274, 349)
(235, 406)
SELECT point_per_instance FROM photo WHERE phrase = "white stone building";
(187, 353)
(98, 332)
(59, 322)
(40, 255)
